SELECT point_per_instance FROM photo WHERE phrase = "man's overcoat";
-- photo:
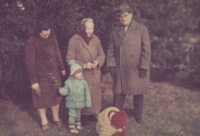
(128, 52)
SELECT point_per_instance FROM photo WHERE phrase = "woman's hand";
(36, 88)
(95, 64)
(88, 65)
(63, 72)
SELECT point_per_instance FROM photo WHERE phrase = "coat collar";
(125, 35)
(78, 37)
(81, 41)
(133, 26)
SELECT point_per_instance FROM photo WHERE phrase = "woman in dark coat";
(85, 48)
(44, 64)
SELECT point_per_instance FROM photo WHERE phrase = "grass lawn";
(168, 111)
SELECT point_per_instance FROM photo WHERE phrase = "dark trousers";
(118, 101)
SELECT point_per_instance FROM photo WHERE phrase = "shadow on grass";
(25, 104)
(130, 112)
(174, 78)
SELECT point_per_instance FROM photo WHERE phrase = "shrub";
(18, 22)
(167, 20)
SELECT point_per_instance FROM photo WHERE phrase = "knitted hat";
(119, 119)
(74, 67)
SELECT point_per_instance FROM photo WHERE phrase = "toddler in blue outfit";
(77, 96)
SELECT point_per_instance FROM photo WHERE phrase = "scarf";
(86, 39)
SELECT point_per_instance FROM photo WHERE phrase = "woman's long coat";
(82, 53)
(128, 52)
(44, 65)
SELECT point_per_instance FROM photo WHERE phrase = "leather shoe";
(93, 118)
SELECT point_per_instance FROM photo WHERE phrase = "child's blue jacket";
(77, 93)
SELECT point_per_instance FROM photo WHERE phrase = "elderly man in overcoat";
(128, 61)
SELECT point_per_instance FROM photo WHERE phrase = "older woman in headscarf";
(85, 48)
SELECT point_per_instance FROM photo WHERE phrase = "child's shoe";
(79, 127)
(74, 130)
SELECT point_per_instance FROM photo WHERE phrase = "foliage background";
(173, 25)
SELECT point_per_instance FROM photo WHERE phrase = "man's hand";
(36, 88)
(112, 71)
(142, 73)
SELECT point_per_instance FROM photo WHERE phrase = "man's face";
(89, 28)
(125, 18)
(45, 34)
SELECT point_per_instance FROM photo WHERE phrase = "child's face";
(78, 75)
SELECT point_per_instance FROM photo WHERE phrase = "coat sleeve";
(87, 95)
(110, 61)
(71, 53)
(100, 54)
(145, 57)
(65, 90)
(30, 52)
(58, 56)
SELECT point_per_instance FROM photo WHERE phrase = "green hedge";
(168, 22)
(172, 23)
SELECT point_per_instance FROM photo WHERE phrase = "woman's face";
(45, 34)
(89, 28)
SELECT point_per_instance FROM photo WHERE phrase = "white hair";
(85, 20)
